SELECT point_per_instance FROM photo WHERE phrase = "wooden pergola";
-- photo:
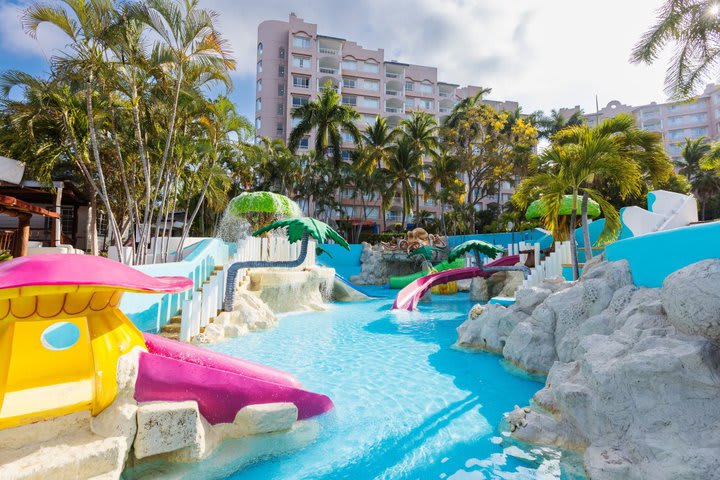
(23, 211)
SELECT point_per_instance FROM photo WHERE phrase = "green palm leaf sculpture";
(537, 209)
(426, 251)
(297, 228)
(477, 247)
(261, 208)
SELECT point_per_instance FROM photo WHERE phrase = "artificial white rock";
(264, 418)
(488, 331)
(165, 427)
(691, 298)
(626, 383)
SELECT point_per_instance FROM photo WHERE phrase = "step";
(170, 335)
(171, 328)
(176, 319)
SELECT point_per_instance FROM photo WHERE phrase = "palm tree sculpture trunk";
(235, 267)
(585, 227)
(573, 245)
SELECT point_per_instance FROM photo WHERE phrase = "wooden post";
(23, 235)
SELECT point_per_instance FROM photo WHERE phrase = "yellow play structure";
(60, 342)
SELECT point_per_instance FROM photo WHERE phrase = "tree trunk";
(146, 172)
(573, 244)
(233, 270)
(186, 228)
(586, 227)
(112, 224)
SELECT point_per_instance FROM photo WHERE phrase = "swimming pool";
(407, 405)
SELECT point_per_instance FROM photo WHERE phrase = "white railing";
(204, 304)
(332, 71)
(551, 266)
(393, 75)
(393, 110)
(329, 51)
(394, 93)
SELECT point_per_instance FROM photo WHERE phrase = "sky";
(544, 54)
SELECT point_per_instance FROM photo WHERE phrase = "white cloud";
(546, 54)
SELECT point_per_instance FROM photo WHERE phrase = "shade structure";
(297, 228)
(263, 202)
(538, 208)
(475, 246)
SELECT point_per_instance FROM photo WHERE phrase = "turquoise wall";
(149, 312)
(654, 256)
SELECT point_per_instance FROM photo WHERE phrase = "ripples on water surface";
(407, 405)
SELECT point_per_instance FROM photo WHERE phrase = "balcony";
(328, 51)
(394, 110)
(393, 75)
(445, 94)
(331, 71)
(445, 110)
(394, 93)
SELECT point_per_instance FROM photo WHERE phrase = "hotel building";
(294, 62)
(674, 120)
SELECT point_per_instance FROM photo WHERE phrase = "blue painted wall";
(503, 238)
(654, 256)
(149, 312)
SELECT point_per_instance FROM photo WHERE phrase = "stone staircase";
(172, 328)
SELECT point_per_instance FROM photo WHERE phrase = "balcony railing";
(445, 94)
(332, 71)
(301, 84)
(393, 75)
(393, 110)
(445, 110)
(329, 51)
(394, 93)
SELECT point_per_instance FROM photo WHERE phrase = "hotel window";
(301, 62)
(370, 102)
(258, 123)
(295, 121)
(301, 42)
(347, 193)
(349, 100)
(279, 129)
(371, 67)
(409, 103)
(259, 86)
(281, 89)
(349, 65)
(258, 104)
(426, 104)
(259, 67)
(281, 52)
(301, 82)
(346, 155)
(280, 109)
(346, 137)
(298, 101)
(370, 119)
(371, 85)
(67, 220)
(349, 83)
(349, 211)
(372, 212)
(281, 71)
(409, 86)
(260, 49)
(426, 88)
(305, 143)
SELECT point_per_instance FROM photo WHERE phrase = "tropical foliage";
(302, 227)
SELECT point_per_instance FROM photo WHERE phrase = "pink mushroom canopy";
(85, 270)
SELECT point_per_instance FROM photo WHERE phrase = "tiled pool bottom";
(407, 405)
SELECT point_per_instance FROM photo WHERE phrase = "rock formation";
(499, 284)
(633, 374)
(378, 266)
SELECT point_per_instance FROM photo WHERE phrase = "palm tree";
(403, 169)
(443, 177)
(87, 27)
(460, 108)
(549, 125)
(705, 183)
(579, 159)
(327, 116)
(375, 148)
(692, 27)
(421, 129)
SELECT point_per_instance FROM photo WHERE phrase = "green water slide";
(403, 281)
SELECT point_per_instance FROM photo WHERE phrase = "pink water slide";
(408, 297)
(220, 384)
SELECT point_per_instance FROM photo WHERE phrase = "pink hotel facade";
(294, 62)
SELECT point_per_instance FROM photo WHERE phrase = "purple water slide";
(220, 384)
(408, 297)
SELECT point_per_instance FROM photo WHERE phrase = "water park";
(384, 276)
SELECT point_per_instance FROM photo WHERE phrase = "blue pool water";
(407, 405)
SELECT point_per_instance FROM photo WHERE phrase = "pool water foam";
(407, 405)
